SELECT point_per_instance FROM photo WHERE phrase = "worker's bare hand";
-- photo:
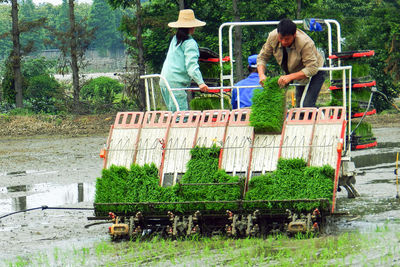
(262, 79)
(284, 80)
(203, 87)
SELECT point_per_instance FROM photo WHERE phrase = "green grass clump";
(363, 132)
(141, 184)
(138, 184)
(208, 103)
(357, 95)
(203, 168)
(292, 180)
(358, 70)
(364, 129)
(212, 70)
(268, 109)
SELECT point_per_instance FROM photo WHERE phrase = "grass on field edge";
(378, 247)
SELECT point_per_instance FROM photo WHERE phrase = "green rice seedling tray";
(269, 107)
(208, 103)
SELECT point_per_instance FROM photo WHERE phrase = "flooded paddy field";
(61, 172)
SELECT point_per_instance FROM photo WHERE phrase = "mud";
(52, 171)
(61, 172)
(376, 183)
(65, 125)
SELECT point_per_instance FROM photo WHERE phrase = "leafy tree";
(17, 49)
(5, 29)
(28, 18)
(42, 93)
(138, 48)
(103, 20)
(7, 83)
(73, 43)
(368, 25)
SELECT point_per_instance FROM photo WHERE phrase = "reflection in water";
(31, 196)
(19, 203)
(17, 188)
(374, 159)
(80, 192)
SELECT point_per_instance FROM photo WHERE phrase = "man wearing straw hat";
(181, 64)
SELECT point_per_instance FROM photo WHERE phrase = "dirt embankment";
(384, 120)
(55, 125)
(100, 124)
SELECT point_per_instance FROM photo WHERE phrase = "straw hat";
(186, 19)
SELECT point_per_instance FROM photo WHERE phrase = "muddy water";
(51, 171)
(376, 183)
(61, 172)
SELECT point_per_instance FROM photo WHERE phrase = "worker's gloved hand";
(262, 79)
(203, 87)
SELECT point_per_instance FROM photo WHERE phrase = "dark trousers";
(313, 90)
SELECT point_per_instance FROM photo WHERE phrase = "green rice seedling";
(359, 95)
(359, 70)
(42, 259)
(212, 70)
(203, 168)
(208, 103)
(56, 254)
(21, 261)
(268, 108)
(364, 130)
(292, 180)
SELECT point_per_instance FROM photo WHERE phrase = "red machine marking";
(354, 85)
(360, 114)
(367, 145)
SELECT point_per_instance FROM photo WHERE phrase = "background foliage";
(368, 24)
(100, 93)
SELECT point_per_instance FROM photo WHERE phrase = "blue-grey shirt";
(181, 65)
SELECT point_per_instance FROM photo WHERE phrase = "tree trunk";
(16, 54)
(298, 9)
(74, 56)
(181, 4)
(237, 42)
(141, 65)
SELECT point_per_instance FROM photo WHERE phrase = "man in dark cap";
(245, 94)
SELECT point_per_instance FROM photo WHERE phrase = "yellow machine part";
(119, 229)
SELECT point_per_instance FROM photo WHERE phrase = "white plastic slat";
(181, 139)
(153, 136)
(124, 136)
(297, 133)
(239, 138)
(265, 153)
(329, 131)
(212, 128)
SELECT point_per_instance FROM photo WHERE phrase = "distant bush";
(100, 93)
(40, 91)
(44, 94)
